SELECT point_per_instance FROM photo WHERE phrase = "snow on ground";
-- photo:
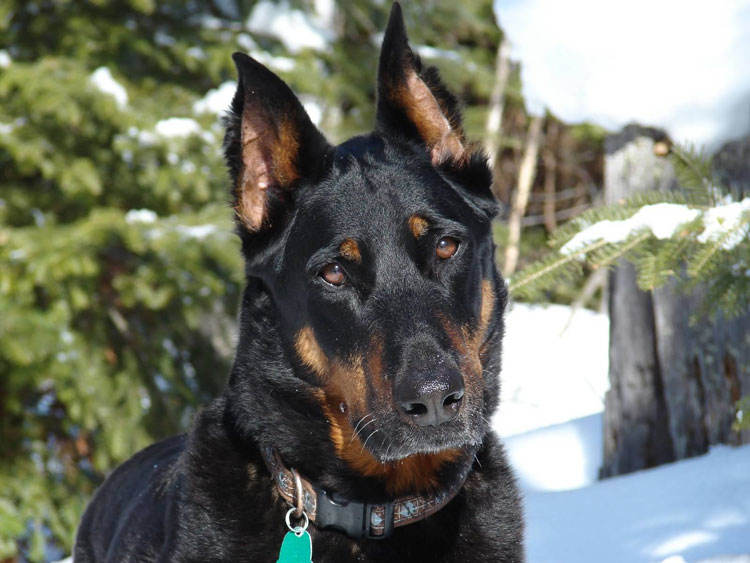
(675, 64)
(551, 420)
(551, 375)
(696, 509)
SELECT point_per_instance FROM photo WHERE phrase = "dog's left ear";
(414, 102)
(270, 144)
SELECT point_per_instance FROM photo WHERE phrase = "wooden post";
(672, 384)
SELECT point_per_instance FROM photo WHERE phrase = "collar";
(355, 518)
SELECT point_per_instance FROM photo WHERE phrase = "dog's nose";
(430, 399)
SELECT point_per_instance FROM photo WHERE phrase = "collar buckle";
(356, 519)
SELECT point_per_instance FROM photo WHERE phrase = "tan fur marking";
(349, 249)
(470, 342)
(310, 353)
(347, 381)
(486, 308)
(418, 226)
(343, 379)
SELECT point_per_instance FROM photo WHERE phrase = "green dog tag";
(296, 548)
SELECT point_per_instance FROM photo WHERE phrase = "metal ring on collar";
(296, 529)
(300, 508)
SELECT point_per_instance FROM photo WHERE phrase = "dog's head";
(378, 258)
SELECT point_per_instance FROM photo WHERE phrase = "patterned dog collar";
(355, 518)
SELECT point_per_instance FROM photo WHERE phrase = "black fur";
(207, 496)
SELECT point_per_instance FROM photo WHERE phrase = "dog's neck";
(357, 518)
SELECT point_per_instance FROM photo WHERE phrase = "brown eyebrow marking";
(418, 226)
(349, 249)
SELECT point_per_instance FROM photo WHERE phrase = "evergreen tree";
(119, 274)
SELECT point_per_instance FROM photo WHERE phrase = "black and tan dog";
(368, 357)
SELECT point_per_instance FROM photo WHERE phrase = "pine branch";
(693, 170)
(699, 254)
(557, 266)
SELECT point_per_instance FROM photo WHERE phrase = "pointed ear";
(413, 102)
(270, 144)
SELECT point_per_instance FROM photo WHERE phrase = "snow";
(140, 216)
(177, 127)
(723, 219)
(697, 508)
(429, 52)
(313, 107)
(102, 78)
(197, 231)
(292, 27)
(573, 449)
(5, 59)
(282, 64)
(565, 382)
(196, 52)
(246, 42)
(664, 220)
(674, 64)
(693, 510)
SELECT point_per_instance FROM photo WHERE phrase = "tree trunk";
(526, 175)
(673, 384)
(497, 102)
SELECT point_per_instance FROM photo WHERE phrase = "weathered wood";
(635, 416)
(673, 384)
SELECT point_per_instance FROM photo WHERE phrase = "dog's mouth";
(390, 442)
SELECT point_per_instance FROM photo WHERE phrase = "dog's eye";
(333, 273)
(446, 248)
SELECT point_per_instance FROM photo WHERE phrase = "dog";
(367, 366)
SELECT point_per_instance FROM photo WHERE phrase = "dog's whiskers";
(368, 439)
(359, 432)
(387, 450)
(356, 427)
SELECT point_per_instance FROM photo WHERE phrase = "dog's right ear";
(270, 144)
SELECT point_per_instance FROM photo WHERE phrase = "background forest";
(119, 272)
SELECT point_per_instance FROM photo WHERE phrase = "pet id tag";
(297, 544)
